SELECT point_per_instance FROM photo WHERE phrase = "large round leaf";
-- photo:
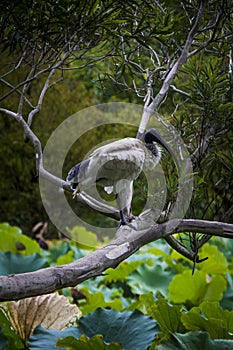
(47, 338)
(17, 263)
(131, 329)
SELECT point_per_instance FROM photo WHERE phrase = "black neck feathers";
(153, 149)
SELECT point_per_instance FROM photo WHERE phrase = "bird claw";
(75, 193)
(122, 223)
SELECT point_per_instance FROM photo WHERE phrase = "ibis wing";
(121, 159)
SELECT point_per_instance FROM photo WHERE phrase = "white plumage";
(116, 165)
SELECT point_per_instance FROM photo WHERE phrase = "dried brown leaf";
(49, 310)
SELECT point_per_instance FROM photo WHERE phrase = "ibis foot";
(123, 223)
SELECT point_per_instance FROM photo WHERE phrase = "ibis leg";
(122, 217)
(123, 221)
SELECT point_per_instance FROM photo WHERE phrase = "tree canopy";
(173, 59)
(173, 62)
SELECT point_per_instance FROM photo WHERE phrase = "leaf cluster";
(154, 288)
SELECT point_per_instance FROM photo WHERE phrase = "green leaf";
(85, 239)
(210, 317)
(46, 338)
(3, 340)
(95, 342)
(186, 288)
(8, 338)
(14, 241)
(216, 263)
(166, 256)
(58, 250)
(194, 341)
(106, 322)
(145, 304)
(122, 271)
(96, 300)
(128, 325)
(150, 278)
(66, 258)
(17, 263)
(168, 317)
(227, 300)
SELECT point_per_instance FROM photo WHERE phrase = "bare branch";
(40, 101)
(53, 65)
(14, 287)
(149, 110)
(81, 197)
(180, 91)
(22, 96)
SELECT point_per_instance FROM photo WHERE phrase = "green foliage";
(17, 263)
(206, 78)
(121, 272)
(227, 300)
(59, 249)
(104, 322)
(155, 282)
(191, 290)
(168, 317)
(8, 338)
(217, 262)
(18, 253)
(84, 343)
(129, 336)
(99, 299)
(210, 317)
(85, 239)
(66, 258)
(147, 278)
(46, 338)
(12, 240)
(194, 341)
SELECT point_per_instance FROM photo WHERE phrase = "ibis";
(116, 165)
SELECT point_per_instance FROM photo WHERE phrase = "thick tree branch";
(14, 287)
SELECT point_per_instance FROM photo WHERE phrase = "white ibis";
(116, 165)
